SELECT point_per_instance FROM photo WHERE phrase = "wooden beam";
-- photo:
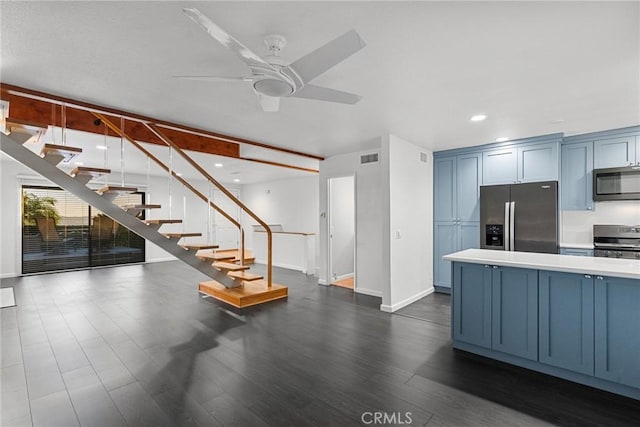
(35, 106)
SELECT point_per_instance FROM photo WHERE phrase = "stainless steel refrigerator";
(520, 217)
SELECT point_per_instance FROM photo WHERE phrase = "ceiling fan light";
(273, 87)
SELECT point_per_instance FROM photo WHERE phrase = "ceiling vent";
(369, 158)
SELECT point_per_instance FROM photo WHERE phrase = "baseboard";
(344, 276)
(443, 289)
(151, 261)
(287, 266)
(370, 292)
(405, 302)
(9, 275)
(322, 282)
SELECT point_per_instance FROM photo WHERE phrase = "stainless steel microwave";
(616, 183)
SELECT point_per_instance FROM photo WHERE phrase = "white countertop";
(577, 245)
(614, 267)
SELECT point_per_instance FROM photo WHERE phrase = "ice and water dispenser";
(495, 235)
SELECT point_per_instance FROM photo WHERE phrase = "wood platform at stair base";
(250, 293)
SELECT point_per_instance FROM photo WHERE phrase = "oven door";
(616, 184)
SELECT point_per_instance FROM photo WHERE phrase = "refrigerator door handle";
(506, 227)
(512, 226)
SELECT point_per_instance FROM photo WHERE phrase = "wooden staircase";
(231, 282)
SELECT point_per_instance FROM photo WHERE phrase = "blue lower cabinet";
(515, 311)
(617, 330)
(445, 243)
(472, 304)
(566, 321)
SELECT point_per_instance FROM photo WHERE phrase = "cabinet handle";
(589, 208)
(486, 266)
(587, 276)
(599, 278)
(495, 266)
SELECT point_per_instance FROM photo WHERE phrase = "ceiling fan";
(272, 78)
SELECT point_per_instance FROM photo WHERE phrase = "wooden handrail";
(166, 168)
(153, 128)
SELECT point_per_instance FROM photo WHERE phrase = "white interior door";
(341, 228)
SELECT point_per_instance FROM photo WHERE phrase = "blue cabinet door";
(445, 242)
(566, 321)
(577, 176)
(469, 179)
(472, 303)
(538, 162)
(617, 330)
(500, 166)
(614, 152)
(515, 311)
(444, 187)
(469, 235)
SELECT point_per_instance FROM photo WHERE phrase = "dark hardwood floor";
(137, 346)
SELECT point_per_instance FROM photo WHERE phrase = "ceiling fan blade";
(270, 104)
(249, 58)
(320, 60)
(325, 94)
(214, 78)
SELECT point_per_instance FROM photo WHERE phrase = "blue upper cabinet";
(577, 176)
(538, 162)
(616, 152)
(445, 200)
(500, 166)
(521, 163)
(469, 179)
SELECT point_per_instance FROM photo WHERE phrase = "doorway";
(342, 233)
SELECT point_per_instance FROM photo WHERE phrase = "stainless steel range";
(617, 241)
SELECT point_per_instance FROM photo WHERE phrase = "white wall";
(410, 223)
(290, 202)
(342, 218)
(369, 218)
(577, 226)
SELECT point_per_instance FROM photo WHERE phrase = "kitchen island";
(576, 318)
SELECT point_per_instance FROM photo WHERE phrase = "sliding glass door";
(61, 232)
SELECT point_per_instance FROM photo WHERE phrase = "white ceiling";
(534, 68)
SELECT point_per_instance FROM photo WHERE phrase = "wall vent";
(369, 158)
(423, 157)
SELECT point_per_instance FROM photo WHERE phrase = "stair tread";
(162, 221)
(229, 266)
(83, 170)
(17, 125)
(244, 275)
(141, 206)
(47, 148)
(174, 235)
(114, 189)
(250, 293)
(64, 151)
(214, 256)
(199, 246)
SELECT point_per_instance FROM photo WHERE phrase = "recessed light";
(478, 117)
(236, 180)
(218, 165)
(502, 139)
(101, 147)
(79, 164)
